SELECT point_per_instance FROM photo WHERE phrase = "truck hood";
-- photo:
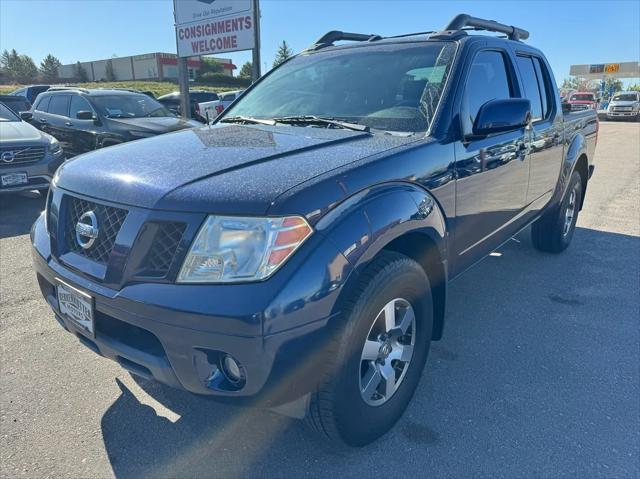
(224, 169)
(581, 102)
(19, 132)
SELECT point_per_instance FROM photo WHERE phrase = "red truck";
(582, 100)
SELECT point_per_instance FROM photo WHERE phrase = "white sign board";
(206, 27)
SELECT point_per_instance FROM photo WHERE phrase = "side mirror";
(498, 116)
(26, 115)
(84, 115)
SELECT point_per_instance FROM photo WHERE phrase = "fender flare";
(369, 221)
(577, 148)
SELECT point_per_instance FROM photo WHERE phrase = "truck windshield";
(582, 97)
(395, 87)
(626, 97)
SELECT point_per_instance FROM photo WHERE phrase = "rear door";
(492, 172)
(57, 117)
(545, 150)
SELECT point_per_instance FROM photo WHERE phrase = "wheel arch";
(400, 217)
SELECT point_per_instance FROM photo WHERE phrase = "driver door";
(492, 173)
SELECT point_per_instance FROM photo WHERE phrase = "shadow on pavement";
(18, 212)
(536, 376)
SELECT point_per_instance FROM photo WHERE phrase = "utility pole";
(255, 64)
(183, 81)
(183, 74)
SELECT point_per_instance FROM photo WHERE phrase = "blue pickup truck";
(295, 255)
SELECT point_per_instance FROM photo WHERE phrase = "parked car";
(15, 103)
(214, 108)
(28, 157)
(582, 100)
(30, 92)
(84, 120)
(296, 253)
(172, 102)
(624, 105)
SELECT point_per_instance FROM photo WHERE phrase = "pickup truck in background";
(295, 254)
(624, 105)
(582, 100)
(213, 109)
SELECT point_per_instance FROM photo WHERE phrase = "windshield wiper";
(247, 119)
(318, 120)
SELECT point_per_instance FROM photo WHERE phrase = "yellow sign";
(612, 68)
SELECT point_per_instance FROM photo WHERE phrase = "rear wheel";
(553, 232)
(379, 353)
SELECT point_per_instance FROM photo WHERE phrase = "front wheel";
(553, 232)
(379, 353)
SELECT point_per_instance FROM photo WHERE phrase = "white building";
(150, 66)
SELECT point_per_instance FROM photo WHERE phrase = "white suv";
(625, 104)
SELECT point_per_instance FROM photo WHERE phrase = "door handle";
(68, 123)
(42, 120)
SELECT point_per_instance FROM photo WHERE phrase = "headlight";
(54, 146)
(229, 249)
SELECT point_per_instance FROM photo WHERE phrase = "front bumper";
(176, 334)
(39, 174)
(622, 114)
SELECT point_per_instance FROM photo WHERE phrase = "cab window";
(42, 104)
(488, 80)
(531, 87)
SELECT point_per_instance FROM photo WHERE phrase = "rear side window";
(229, 97)
(78, 104)
(531, 87)
(59, 105)
(42, 104)
(488, 80)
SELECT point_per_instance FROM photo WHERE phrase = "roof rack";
(335, 35)
(463, 21)
(61, 88)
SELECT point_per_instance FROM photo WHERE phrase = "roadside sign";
(206, 27)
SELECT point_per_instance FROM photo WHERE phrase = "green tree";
(80, 73)
(246, 70)
(209, 65)
(109, 71)
(49, 68)
(18, 68)
(284, 52)
(578, 83)
(635, 87)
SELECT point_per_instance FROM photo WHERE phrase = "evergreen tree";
(80, 72)
(284, 52)
(246, 70)
(49, 68)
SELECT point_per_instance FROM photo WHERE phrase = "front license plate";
(76, 305)
(14, 179)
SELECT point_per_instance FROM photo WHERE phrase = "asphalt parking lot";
(537, 376)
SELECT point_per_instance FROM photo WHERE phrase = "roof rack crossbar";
(463, 20)
(62, 88)
(336, 36)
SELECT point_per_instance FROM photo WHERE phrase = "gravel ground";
(537, 376)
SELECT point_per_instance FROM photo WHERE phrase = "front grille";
(163, 249)
(18, 155)
(580, 106)
(110, 221)
(622, 108)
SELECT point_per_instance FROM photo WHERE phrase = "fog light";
(232, 369)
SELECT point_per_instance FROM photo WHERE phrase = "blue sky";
(568, 32)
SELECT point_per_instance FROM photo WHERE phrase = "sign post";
(206, 27)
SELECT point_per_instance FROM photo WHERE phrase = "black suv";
(84, 120)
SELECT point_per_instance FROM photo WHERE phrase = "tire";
(338, 410)
(553, 232)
